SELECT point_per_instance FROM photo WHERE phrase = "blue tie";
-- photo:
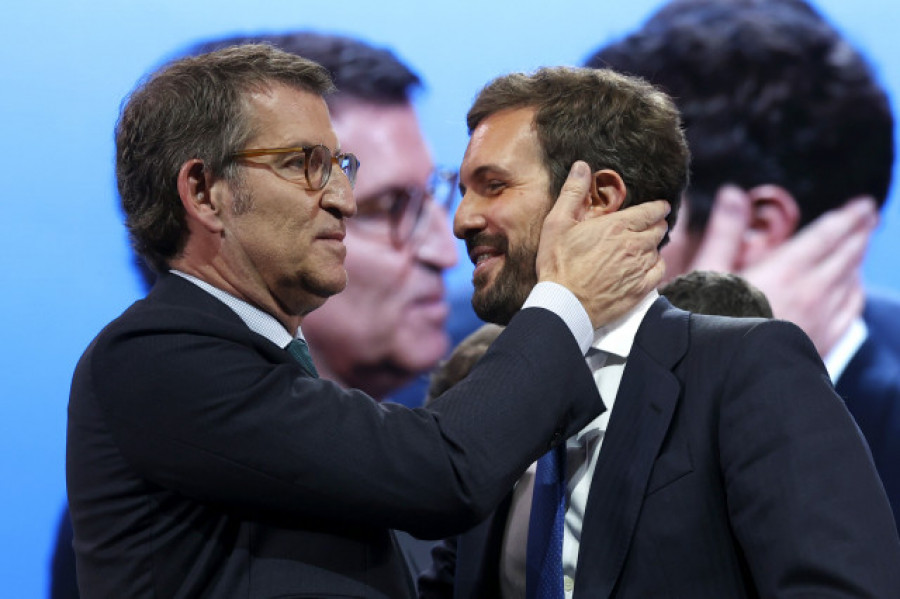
(300, 350)
(543, 562)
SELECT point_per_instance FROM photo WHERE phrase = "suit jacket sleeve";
(803, 497)
(206, 410)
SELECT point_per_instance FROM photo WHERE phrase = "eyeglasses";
(398, 212)
(304, 165)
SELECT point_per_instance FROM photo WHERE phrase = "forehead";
(283, 116)
(505, 140)
(387, 139)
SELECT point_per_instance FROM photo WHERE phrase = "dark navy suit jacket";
(730, 468)
(202, 461)
(871, 387)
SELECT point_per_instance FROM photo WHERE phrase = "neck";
(251, 291)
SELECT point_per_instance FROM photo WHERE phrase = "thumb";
(728, 221)
(573, 200)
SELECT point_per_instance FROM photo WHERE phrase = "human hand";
(609, 262)
(812, 279)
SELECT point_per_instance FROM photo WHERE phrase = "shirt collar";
(257, 320)
(618, 336)
(843, 351)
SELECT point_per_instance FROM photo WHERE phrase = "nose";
(435, 244)
(337, 196)
(468, 217)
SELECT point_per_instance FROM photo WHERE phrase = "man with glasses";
(387, 326)
(205, 457)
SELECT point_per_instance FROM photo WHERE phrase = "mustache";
(493, 240)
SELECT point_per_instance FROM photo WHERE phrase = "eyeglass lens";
(317, 165)
(399, 212)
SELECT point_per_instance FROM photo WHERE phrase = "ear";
(195, 191)
(608, 192)
(774, 218)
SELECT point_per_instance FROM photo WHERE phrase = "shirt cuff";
(562, 302)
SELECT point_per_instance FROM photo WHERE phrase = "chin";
(426, 351)
(325, 287)
(313, 296)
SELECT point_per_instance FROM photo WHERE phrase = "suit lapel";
(640, 419)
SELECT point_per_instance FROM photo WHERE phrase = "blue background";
(64, 262)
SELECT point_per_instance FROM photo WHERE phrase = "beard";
(498, 301)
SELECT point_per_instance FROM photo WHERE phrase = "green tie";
(300, 350)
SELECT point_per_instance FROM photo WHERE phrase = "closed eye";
(494, 186)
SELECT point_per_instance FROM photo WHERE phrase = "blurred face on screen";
(388, 324)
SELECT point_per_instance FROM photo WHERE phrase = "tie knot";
(299, 349)
(596, 358)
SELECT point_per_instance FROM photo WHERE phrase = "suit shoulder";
(751, 339)
(704, 325)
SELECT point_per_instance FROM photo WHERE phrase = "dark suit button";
(557, 438)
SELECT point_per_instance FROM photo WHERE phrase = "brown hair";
(718, 293)
(609, 120)
(192, 108)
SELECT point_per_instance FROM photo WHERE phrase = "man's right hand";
(609, 262)
(812, 279)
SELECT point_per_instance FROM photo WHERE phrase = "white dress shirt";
(843, 351)
(258, 321)
(606, 359)
(548, 295)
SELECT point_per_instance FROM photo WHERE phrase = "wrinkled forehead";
(282, 116)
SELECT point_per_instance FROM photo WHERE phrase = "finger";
(643, 240)
(728, 221)
(655, 274)
(652, 236)
(843, 306)
(642, 217)
(573, 199)
(853, 306)
(842, 262)
(817, 240)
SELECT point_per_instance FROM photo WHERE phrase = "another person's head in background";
(461, 360)
(775, 101)
(179, 144)
(724, 294)
(526, 131)
(387, 326)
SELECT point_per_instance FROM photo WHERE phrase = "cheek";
(523, 250)
(376, 272)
